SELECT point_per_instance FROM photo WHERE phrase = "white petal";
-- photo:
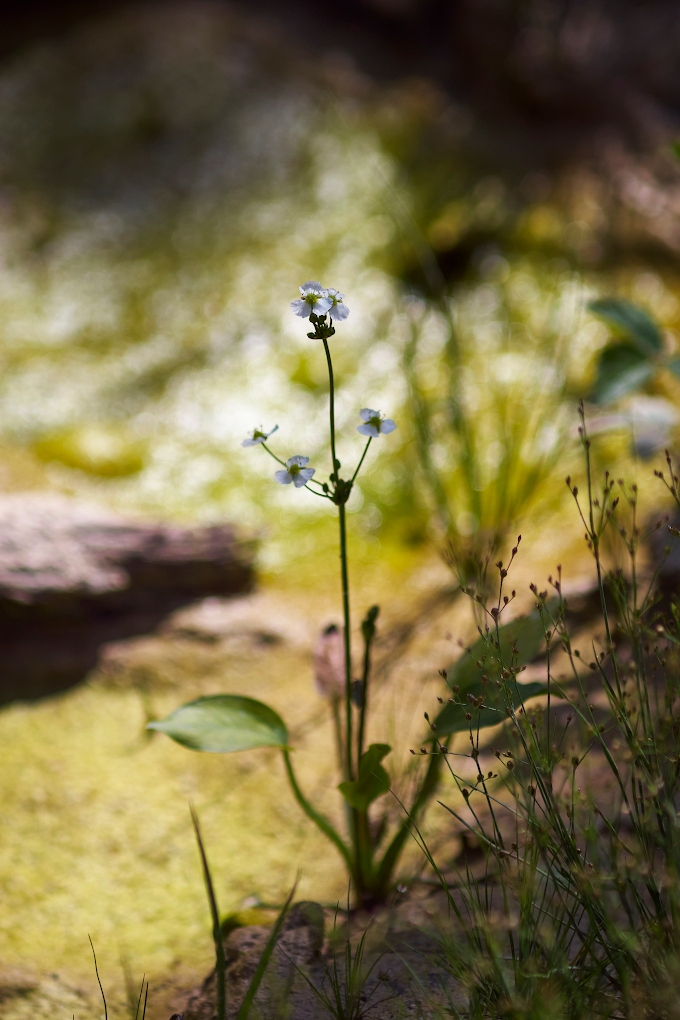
(271, 432)
(301, 308)
(367, 413)
(297, 459)
(367, 430)
(322, 305)
(306, 473)
(387, 426)
(311, 285)
(340, 312)
(284, 477)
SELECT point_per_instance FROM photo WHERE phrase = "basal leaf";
(372, 781)
(224, 722)
(620, 370)
(630, 322)
(488, 656)
(524, 632)
(452, 719)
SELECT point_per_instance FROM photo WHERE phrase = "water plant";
(228, 722)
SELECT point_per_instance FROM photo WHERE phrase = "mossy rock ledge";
(74, 576)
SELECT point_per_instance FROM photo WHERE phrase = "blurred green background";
(169, 174)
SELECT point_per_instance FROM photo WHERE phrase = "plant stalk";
(319, 820)
(349, 765)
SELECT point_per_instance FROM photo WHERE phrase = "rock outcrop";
(74, 576)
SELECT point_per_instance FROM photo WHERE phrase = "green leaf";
(452, 718)
(524, 632)
(527, 635)
(630, 322)
(621, 369)
(372, 782)
(224, 722)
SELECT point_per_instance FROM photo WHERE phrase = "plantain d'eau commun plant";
(229, 722)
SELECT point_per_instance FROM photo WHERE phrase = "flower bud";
(329, 664)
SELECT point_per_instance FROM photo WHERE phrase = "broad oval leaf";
(524, 632)
(620, 370)
(452, 719)
(493, 653)
(630, 321)
(372, 782)
(224, 722)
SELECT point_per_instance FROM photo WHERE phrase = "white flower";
(258, 436)
(375, 425)
(338, 310)
(314, 299)
(295, 472)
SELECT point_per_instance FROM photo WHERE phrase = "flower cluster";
(318, 300)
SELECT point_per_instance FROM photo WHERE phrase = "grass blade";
(139, 1000)
(101, 988)
(220, 961)
(266, 956)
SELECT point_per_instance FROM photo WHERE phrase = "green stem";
(364, 695)
(349, 767)
(370, 438)
(271, 454)
(337, 729)
(319, 820)
(348, 647)
(332, 403)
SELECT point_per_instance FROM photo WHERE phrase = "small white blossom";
(258, 436)
(338, 309)
(314, 299)
(295, 472)
(374, 424)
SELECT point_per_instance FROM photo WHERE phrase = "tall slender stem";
(332, 402)
(349, 767)
(362, 459)
(348, 646)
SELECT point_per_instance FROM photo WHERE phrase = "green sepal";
(222, 723)
(372, 782)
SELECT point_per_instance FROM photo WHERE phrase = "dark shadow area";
(51, 638)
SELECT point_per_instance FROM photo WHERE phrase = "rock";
(300, 943)
(74, 576)
(259, 619)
